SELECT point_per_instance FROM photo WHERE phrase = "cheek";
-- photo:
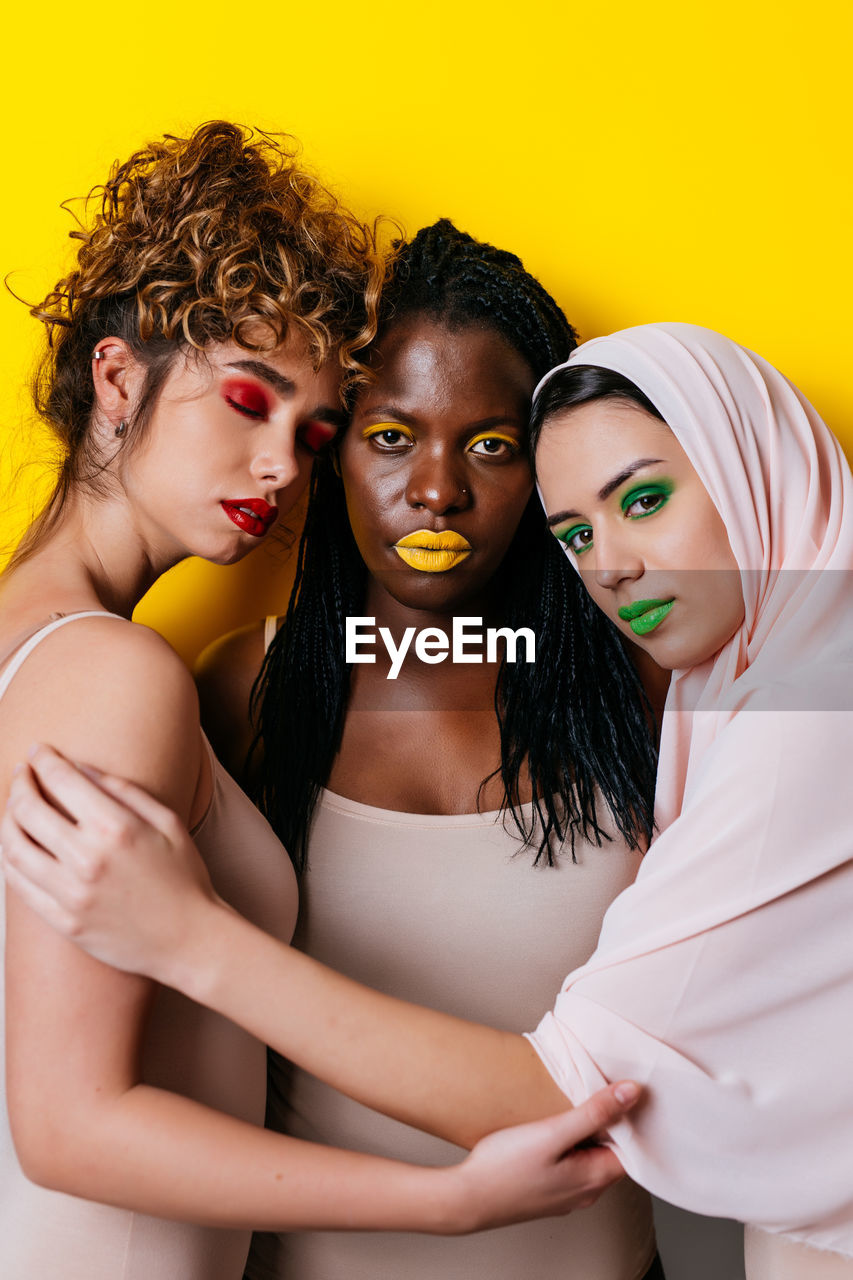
(501, 504)
(287, 498)
(602, 596)
(370, 497)
(728, 611)
(365, 511)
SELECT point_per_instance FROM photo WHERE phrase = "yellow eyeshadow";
(494, 435)
(379, 427)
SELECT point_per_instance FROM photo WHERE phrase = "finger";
(36, 865)
(596, 1114)
(134, 798)
(583, 1176)
(599, 1167)
(64, 783)
(35, 815)
(96, 790)
(34, 897)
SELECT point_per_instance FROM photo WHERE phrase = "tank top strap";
(20, 656)
(270, 629)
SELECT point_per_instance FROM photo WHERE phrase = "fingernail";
(626, 1092)
(17, 769)
(33, 748)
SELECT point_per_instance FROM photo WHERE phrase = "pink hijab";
(723, 978)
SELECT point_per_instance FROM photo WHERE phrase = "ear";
(118, 378)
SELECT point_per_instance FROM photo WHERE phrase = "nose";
(437, 483)
(617, 559)
(276, 464)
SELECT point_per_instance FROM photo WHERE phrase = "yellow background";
(649, 162)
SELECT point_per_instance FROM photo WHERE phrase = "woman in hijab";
(704, 503)
(698, 493)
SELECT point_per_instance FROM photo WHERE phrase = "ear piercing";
(121, 429)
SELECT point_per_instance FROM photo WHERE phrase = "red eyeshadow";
(315, 434)
(246, 395)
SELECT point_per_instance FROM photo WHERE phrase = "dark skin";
(437, 390)
(444, 391)
(452, 405)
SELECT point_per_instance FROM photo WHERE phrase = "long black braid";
(576, 718)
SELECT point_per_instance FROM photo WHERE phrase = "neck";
(431, 684)
(397, 617)
(94, 557)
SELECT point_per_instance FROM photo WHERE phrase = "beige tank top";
(776, 1257)
(45, 1235)
(447, 911)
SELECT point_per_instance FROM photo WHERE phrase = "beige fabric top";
(45, 1235)
(436, 909)
(775, 1257)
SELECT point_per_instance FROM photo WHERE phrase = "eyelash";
(322, 429)
(407, 439)
(384, 429)
(513, 448)
(244, 409)
(661, 492)
(569, 534)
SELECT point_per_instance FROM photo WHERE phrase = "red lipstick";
(252, 515)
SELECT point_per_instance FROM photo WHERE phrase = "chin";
(229, 554)
(680, 657)
(433, 591)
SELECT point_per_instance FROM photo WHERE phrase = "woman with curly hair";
(194, 369)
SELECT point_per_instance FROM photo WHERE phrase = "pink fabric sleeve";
(718, 984)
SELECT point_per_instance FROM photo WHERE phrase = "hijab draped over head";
(723, 978)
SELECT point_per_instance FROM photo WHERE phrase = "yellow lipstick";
(433, 552)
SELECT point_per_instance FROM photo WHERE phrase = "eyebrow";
(286, 386)
(606, 490)
(325, 413)
(499, 420)
(381, 411)
(409, 419)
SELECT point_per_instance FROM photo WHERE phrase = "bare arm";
(225, 674)
(456, 1079)
(453, 1078)
(83, 1121)
(459, 1080)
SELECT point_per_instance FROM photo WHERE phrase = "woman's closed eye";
(247, 399)
(316, 435)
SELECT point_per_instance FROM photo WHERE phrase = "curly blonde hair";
(220, 236)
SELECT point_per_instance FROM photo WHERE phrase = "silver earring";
(98, 355)
(121, 428)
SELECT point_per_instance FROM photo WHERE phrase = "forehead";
(290, 359)
(604, 434)
(422, 361)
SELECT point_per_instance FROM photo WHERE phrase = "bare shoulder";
(113, 694)
(225, 674)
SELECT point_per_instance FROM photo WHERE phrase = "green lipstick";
(644, 615)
